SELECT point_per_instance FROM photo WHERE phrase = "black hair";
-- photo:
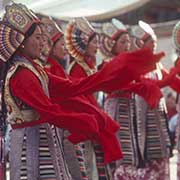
(3, 110)
(120, 34)
(31, 30)
(92, 37)
(147, 38)
(55, 42)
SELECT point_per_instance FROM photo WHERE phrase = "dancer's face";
(33, 45)
(92, 47)
(150, 43)
(122, 44)
(59, 50)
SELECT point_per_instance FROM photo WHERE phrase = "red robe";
(81, 104)
(78, 72)
(82, 126)
(169, 79)
(55, 68)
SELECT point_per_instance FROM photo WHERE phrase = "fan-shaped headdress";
(16, 22)
(111, 32)
(77, 36)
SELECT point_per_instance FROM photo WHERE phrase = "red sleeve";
(26, 87)
(167, 80)
(113, 76)
(174, 81)
(167, 77)
(175, 84)
(78, 72)
(148, 90)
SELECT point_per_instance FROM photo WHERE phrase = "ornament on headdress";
(148, 30)
(77, 36)
(114, 29)
(19, 17)
(10, 40)
(16, 22)
(53, 31)
(106, 45)
(110, 33)
(144, 31)
(176, 36)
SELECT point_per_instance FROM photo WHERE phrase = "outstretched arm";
(113, 76)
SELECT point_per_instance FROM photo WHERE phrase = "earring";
(22, 46)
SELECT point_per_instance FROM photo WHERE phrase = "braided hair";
(3, 110)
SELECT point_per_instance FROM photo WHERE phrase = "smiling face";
(122, 44)
(33, 44)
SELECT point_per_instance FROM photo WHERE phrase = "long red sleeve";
(81, 124)
(78, 72)
(81, 103)
(146, 89)
(175, 84)
(169, 79)
(113, 76)
(25, 86)
(172, 80)
(117, 73)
